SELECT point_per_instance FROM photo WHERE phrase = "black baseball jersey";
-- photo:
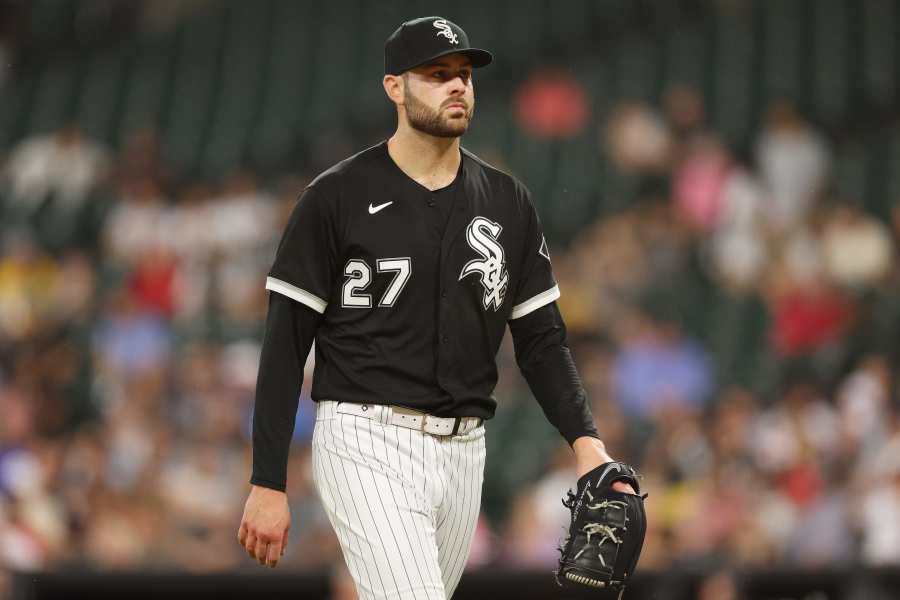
(415, 286)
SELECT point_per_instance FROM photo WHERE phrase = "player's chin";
(455, 127)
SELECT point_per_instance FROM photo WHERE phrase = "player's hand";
(264, 527)
(621, 486)
(591, 453)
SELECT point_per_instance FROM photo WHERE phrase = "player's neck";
(430, 161)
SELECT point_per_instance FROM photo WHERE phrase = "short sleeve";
(304, 267)
(537, 286)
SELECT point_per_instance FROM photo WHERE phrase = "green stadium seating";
(193, 97)
(145, 86)
(264, 81)
(242, 77)
(830, 85)
(98, 103)
(55, 90)
(879, 50)
(732, 88)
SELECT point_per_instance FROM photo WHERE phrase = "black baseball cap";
(422, 40)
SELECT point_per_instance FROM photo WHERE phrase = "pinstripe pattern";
(403, 503)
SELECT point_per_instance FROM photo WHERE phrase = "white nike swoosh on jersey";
(375, 209)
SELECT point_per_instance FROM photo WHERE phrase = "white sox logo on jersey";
(482, 236)
(446, 31)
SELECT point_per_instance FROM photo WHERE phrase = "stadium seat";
(240, 86)
(100, 95)
(829, 89)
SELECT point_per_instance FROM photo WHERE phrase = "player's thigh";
(386, 535)
(462, 504)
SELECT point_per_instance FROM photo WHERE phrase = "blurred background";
(720, 184)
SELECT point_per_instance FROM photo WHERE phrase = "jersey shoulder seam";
(485, 164)
(342, 168)
(514, 181)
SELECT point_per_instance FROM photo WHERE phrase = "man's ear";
(393, 87)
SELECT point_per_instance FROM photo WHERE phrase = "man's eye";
(440, 74)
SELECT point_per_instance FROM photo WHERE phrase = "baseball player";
(405, 263)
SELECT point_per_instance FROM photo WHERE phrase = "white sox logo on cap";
(482, 236)
(446, 31)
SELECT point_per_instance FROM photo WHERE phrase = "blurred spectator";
(793, 161)
(792, 438)
(153, 283)
(713, 510)
(856, 247)
(552, 104)
(29, 281)
(120, 534)
(699, 181)
(192, 237)
(141, 158)
(739, 245)
(863, 401)
(242, 216)
(243, 219)
(718, 586)
(879, 513)
(637, 139)
(658, 367)
(538, 523)
(685, 114)
(137, 222)
(819, 537)
(808, 319)
(32, 520)
(64, 166)
(130, 343)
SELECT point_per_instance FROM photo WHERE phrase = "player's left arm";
(542, 350)
(545, 360)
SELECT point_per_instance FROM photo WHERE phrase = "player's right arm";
(290, 330)
(299, 284)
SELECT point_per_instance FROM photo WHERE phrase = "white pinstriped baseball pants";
(403, 503)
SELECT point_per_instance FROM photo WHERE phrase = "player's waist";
(401, 416)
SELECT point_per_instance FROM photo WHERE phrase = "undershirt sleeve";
(544, 358)
(290, 330)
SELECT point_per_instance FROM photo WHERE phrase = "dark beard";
(428, 121)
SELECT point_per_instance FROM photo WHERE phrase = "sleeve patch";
(544, 250)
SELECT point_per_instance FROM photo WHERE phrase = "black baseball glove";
(606, 533)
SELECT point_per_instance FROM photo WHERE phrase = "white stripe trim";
(295, 293)
(532, 304)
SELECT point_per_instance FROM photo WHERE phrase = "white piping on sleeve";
(295, 293)
(534, 303)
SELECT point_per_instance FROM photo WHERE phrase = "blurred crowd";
(735, 324)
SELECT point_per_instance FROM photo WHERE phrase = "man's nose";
(457, 85)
